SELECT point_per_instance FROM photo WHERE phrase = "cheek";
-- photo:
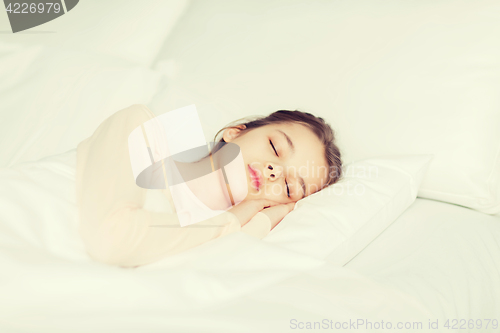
(250, 149)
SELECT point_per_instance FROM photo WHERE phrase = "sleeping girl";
(288, 154)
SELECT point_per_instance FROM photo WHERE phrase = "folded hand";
(278, 212)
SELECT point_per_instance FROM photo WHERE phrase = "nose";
(272, 171)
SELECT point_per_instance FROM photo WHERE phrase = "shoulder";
(137, 112)
(125, 120)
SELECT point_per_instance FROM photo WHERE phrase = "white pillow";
(339, 221)
(392, 77)
(51, 99)
(131, 30)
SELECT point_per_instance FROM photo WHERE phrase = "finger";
(269, 203)
(278, 211)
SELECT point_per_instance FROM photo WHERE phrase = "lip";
(256, 179)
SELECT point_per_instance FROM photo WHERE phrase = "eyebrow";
(292, 148)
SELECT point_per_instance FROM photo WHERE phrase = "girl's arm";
(131, 236)
(115, 227)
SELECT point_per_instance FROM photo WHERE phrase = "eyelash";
(287, 189)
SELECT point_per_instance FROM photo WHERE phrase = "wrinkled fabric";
(126, 225)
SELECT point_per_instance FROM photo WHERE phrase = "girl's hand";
(278, 212)
(247, 209)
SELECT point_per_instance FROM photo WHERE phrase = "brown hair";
(316, 124)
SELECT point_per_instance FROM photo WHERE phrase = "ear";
(232, 133)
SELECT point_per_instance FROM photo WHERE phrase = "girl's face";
(284, 162)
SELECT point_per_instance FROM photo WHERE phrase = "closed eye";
(287, 188)
(273, 148)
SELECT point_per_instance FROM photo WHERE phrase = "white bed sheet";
(445, 255)
(233, 284)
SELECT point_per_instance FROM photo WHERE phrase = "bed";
(418, 251)
(437, 261)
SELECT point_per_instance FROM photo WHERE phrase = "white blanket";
(233, 284)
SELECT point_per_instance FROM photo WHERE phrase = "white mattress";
(437, 260)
